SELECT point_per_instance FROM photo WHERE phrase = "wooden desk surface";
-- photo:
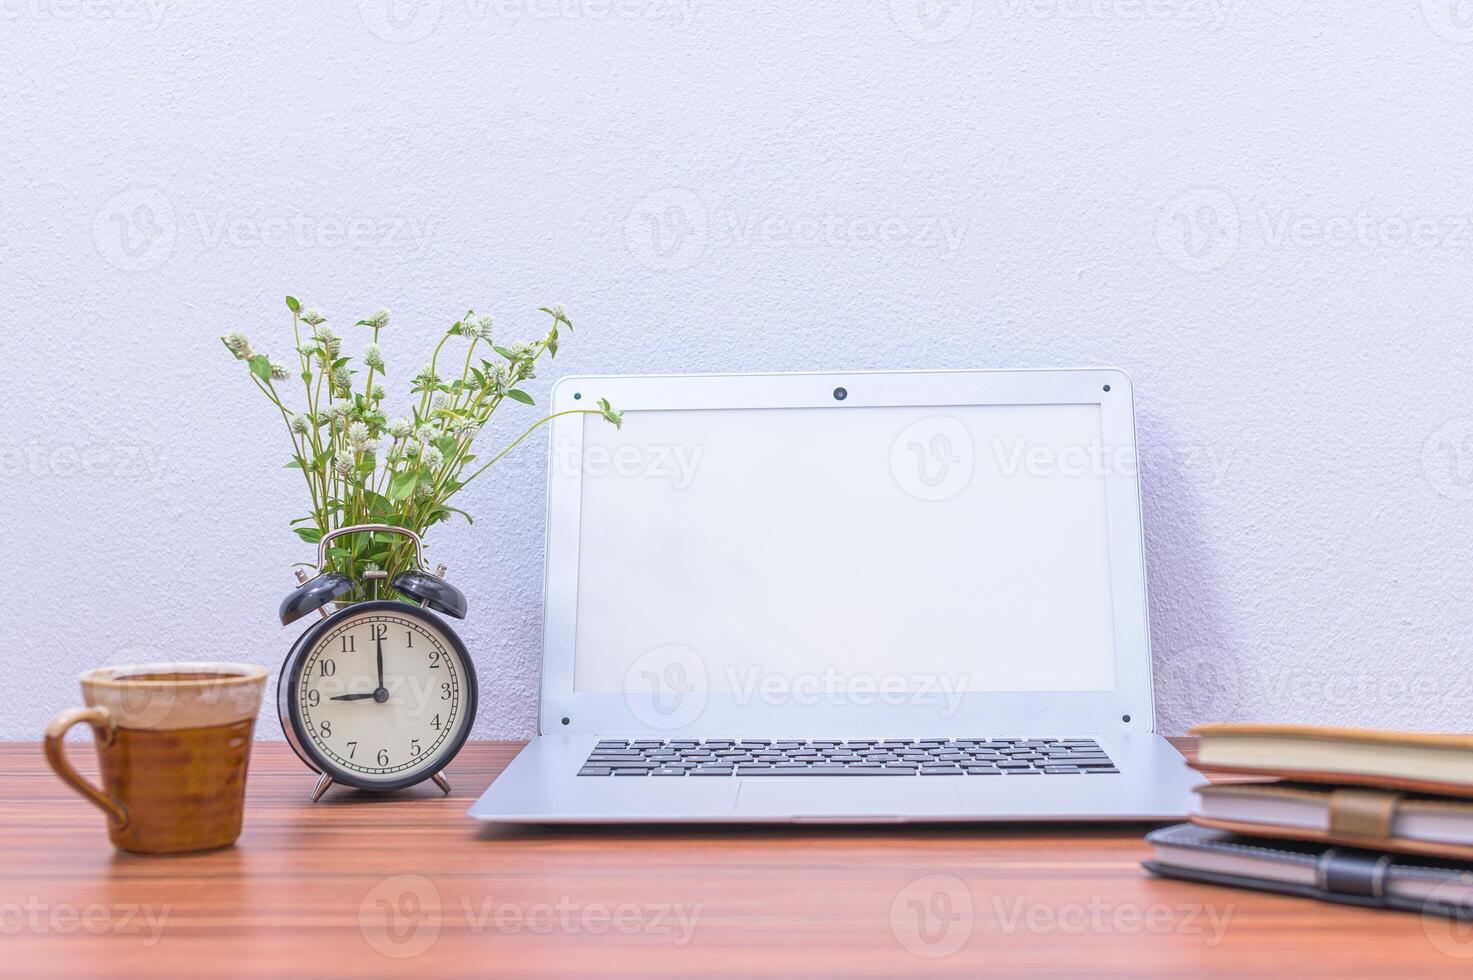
(307, 888)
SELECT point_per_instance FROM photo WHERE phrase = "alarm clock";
(378, 695)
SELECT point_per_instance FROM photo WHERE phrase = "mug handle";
(104, 731)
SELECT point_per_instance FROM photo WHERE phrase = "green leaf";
(402, 486)
(446, 445)
(307, 376)
(231, 349)
(516, 394)
(295, 464)
(261, 367)
(503, 352)
(457, 510)
(614, 418)
(293, 305)
(311, 535)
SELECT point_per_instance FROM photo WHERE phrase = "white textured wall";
(1261, 211)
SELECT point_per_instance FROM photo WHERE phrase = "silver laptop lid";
(917, 553)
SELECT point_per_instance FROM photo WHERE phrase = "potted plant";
(361, 466)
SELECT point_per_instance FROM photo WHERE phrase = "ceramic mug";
(172, 741)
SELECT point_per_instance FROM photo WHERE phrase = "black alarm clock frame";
(433, 594)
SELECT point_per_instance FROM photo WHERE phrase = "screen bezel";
(1127, 708)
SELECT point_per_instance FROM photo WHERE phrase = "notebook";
(1372, 879)
(1358, 816)
(1397, 760)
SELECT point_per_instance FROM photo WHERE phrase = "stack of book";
(1372, 818)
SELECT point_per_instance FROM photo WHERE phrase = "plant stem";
(534, 428)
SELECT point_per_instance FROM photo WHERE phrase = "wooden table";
(407, 885)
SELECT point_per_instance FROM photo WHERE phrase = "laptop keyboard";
(852, 757)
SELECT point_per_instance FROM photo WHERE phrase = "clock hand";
(380, 694)
(353, 697)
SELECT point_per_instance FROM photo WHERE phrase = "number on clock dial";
(424, 680)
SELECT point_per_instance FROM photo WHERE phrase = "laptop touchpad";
(847, 796)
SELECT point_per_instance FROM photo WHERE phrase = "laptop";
(845, 598)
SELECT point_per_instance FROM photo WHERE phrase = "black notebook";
(1374, 879)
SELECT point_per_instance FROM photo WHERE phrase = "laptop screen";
(847, 549)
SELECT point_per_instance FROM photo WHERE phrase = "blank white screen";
(967, 543)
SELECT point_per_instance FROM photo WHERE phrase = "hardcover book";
(1396, 760)
(1378, 819)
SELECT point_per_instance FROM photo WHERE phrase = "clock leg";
(442, 782)
(323, 782)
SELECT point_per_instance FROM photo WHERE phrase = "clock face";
(382, 694)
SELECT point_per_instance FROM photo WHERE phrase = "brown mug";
(172, 744)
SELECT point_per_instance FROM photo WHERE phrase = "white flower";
(279, 372)
(330, 341)
(301, 424)
(342, 380)
(312, 318)
(522, 351)
(358, 432)
(424, 491)
(378, 320)
(467, 427)
(441, 403)
(343, 462)
(402, 427)
(559, 312)
(498, 380)
(411, 449)
(238, 345)
(373, 356)
(433, 457)
(376, 393)
(478, 326)
(427, 432)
